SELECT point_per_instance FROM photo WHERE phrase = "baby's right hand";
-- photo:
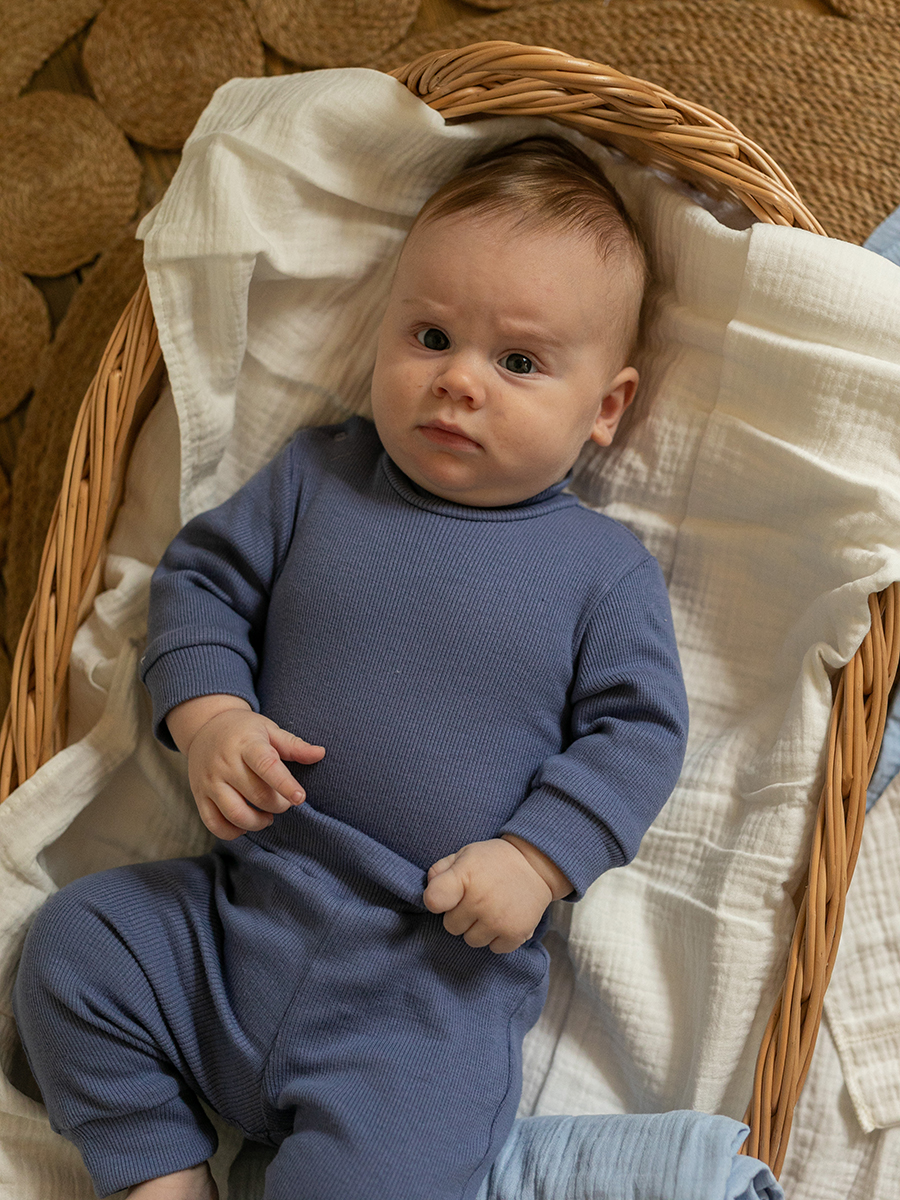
(236, 771)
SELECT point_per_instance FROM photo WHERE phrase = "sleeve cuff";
(193, 671)
(576, 840)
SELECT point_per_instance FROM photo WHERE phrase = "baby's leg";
(115, 1001)
(400, 1062)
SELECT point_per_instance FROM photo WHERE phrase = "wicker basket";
(654, 127)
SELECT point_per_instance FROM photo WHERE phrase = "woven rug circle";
(24, 332)
(154, 64)
(70, 182)
(332, 33)
(32, 31)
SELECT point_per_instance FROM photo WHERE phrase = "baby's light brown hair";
(548, 183)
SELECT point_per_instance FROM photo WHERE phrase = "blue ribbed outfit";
(470, 671)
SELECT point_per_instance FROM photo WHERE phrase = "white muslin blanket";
(765, 477)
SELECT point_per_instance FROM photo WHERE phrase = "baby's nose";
(462, 382)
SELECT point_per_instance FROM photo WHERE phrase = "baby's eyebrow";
(522, 334)
(534, 335)
(421, 302)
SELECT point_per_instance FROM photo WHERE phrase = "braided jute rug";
(155, 94)
(69, 178)
(32, 30)
(820, 93)
(332, 33)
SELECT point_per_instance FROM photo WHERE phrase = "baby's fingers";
(442, 864)
(217, 813)
(501, 941)
(506, 945)
(263, 762)
(294, 748)
(444, 891)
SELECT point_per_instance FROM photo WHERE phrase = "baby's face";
(498, 358)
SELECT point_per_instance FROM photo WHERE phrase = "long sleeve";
(591, 805)
(209, 596)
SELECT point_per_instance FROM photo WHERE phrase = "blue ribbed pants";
(307, 996)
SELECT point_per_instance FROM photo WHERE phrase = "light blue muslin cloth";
(659, 1156)
(885, 240)
(663, 1156)
(888, 763)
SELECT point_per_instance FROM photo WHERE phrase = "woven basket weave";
(654, 127)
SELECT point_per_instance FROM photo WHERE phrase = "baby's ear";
(613, 405)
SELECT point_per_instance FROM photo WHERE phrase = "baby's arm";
(235, 763)
(494, 893)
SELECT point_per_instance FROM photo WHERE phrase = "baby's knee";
(66, 938)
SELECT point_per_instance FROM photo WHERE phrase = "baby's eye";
(433, 339)
(519, 364)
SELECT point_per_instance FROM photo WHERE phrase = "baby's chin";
(464, 478)
(481, 493)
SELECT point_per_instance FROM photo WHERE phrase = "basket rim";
(648, 122)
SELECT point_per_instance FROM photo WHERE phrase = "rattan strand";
(646, 122)
(66, 371)
(857, 724)
(792, 80)
(35, 723)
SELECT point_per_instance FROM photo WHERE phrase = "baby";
(475, 682)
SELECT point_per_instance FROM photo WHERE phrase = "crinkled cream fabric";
(764, 477)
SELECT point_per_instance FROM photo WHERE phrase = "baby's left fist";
(490, 895)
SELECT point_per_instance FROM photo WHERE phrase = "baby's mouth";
(451, 436)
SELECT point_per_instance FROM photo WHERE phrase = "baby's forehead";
(529, 247)
(471, 229)
(501, 220)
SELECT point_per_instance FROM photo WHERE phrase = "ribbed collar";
(548, 500)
